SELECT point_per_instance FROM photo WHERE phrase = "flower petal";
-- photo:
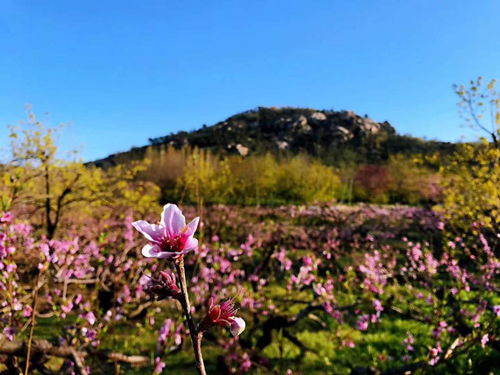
(152, 232)
(172, 254)
(237, 326)
(191, 244)
(191, 227)
(168, 255)
(151, 251)
(173, 219)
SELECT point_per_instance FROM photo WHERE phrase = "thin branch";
(196, 337)
(17, 348)
(78, 361)
(32, 323)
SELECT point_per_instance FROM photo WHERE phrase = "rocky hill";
(322, 133)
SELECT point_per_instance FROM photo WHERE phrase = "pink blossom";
(27, 311)
(178, 335)
(163, 334)
(336, 314)
(6, 218)
(377, 305)
(66, 309)
(9, 332)
(484, 340)
(416, 252)
(171, 238)
(159, 366)
(434, 354)
(78, 299)
(363, 322)
(90, 317)
(408, 341)
(349, 343)
(11, 267)
(496, 310)
(246, 364)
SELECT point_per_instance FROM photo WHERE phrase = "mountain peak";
(281, 128)
(327, 134)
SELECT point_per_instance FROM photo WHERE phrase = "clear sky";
(120, 72)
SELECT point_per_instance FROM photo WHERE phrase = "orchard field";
(323, 289)
(88, 287)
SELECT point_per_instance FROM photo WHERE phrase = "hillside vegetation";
(291, 155)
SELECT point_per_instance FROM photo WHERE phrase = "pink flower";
(6, 218)
(378, 305)
(171, 238)
(496, 310)
(27, 311)
(408, 341)
(224, 315)
(245, 363)
(9, 332)
(163, 334)
(89, 317)
(66, 309)
(159, 366)
(362, 323)
(349, 344)
(484, 340)
(434, 355)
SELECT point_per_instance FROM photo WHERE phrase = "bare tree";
(479, 105)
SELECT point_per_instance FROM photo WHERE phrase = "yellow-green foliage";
(479, 104)
(471, 183)
(208, 178)
(199, 176)
(410, 181)
(306, 180)
(255, 177)
(166, 165)
(38, 182)
(205, 178)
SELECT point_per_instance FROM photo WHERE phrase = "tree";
(471, 177)
(479, 101)
(373, 183)
(471, 187)
(37, 180)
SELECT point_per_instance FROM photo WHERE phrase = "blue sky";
(120, 72)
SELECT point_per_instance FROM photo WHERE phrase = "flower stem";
(196, 336)
(32, 322)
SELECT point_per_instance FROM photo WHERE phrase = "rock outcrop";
(330, 135)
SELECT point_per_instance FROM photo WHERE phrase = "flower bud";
(223, 314)
(163, 286)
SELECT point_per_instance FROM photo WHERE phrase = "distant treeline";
(199, 176)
